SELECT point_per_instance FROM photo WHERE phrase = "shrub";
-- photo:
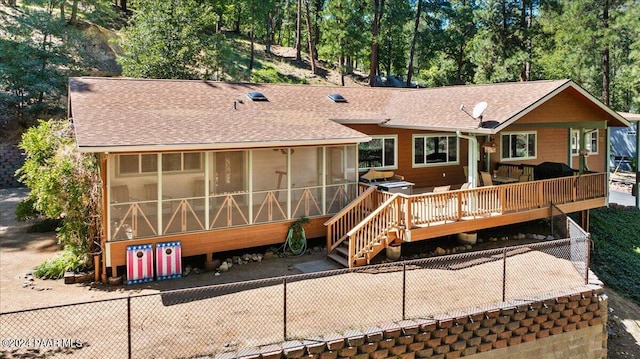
(64, 185)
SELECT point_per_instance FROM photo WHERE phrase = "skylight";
(257, 96)
(336, 97)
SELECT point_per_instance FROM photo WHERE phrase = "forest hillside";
(425, 43)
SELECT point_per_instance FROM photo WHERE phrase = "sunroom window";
(435, 150)
(518, 145)
(381, 153)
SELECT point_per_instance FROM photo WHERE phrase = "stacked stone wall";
(567, 326)
(11, 159)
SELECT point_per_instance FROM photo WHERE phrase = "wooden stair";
(340, 255)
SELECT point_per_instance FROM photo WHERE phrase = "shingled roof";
(120, 114)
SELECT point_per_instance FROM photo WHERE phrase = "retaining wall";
(568, 326)
(11, 159)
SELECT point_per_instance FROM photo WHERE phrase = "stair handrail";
(334, 240)
(373, 237)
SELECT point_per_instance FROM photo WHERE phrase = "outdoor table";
(504, 180)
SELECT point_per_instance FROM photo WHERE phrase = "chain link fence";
(242, 316)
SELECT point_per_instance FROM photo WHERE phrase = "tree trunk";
(74, 12)
(252, 51)
(310, 35)
(412, 51)
(62, 6)
(268, 37)
(605, 55)
(236, 27)
(123, 5)
(373, 66)
(298, 30)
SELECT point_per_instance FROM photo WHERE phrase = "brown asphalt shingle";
(117, 112)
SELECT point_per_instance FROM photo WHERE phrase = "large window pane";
(270, 178)
(435, 149)
(149, 163)
(380, 152)
(521, 145)
(171, 162)
(128, 164)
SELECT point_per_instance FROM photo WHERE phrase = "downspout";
(472, 159)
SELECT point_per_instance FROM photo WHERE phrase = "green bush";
(25, 210)
(70, 260)
(616, 253)
(64, 187)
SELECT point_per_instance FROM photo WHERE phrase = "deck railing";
(429, 209)
(350, 216)
(374, 229)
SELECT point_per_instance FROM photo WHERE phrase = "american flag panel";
(168, 260)
(139, 264)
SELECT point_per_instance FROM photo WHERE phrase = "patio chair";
(486, 179)
(516, 173)
(120, 194)
(503, 171)
(465, 185)
(524, 178)
(441, 189)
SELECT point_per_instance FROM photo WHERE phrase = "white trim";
(434, 164)
(509, 133)
(221, 146)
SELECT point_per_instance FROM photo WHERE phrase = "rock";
(246, 257)
(236, 260)
(493, 239)
(440, 251)
(505, 238)
(211, 266)
(187, 271)
(468, 247)
(317, 249)
(217, 274)
(269, 255)
(197, 270)
(480, 240)
(521, 236)
(229, 260)
(259, 258)
(224, 267)
(550, 238)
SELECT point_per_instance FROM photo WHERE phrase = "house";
(624, 143)
(223, 166)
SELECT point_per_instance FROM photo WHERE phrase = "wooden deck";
(376, 219)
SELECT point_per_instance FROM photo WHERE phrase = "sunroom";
(158, 194)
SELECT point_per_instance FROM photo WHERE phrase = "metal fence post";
(284, 303)
(404, 290)
(587, 263)
(129, 326)
(504, 274)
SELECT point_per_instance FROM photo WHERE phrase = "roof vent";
(257, 96)
(336, 97)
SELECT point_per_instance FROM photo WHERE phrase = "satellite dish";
(479, 109)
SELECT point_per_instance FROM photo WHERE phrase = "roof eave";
(564, 86)
(219, 146)
(479, 131)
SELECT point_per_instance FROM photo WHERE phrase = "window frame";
(140, 171)
(511, 133)
(575, 141)
(434, 164)
(394, 139)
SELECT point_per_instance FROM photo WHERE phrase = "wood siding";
(431, 176)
